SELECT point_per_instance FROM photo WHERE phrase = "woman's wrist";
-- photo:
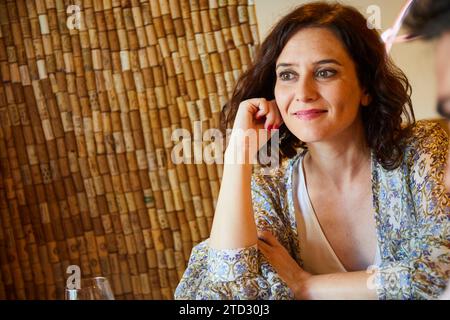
(239, 152)
(301, 288)
(344, 285)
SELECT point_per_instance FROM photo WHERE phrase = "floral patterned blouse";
(412, 211)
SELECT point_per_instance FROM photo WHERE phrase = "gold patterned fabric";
(412, 212)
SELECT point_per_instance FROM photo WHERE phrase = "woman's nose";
(306, 90)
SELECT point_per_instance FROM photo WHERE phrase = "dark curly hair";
(388, 118)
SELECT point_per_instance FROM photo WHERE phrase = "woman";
(364, 191)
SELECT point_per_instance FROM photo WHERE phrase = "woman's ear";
(366, 99)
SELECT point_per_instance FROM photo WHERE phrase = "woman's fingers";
(269, 111)
(265, 243)
(264, 248)
(271, 117)
(263, 109)
(274, 120)
(258, 106)
(268, 238)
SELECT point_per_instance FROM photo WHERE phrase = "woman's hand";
(252, 116)
(286, 267)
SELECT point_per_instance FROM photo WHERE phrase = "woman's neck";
(340, 160)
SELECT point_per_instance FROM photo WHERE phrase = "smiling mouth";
(309, 114)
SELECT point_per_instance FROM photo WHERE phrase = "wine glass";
(96, 288)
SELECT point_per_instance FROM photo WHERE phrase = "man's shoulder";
(425, 137)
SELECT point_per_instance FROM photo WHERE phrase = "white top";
(316, 252)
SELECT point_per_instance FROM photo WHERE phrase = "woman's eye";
(286, 76)
(325, 73)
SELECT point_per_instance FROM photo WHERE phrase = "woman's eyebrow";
(324, 61)
(327, 61)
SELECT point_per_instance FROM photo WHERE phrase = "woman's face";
(317, 89)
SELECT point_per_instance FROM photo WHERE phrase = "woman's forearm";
(338, 286)
(234, 225)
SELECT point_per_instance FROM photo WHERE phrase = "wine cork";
(255, 35)
(209, 210)
(235, 59)
(133, 40)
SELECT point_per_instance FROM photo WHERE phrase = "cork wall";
(91, 92)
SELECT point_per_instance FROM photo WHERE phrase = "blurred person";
(431, 20)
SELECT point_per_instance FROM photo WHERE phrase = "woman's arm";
(239, 273)
(234, 225)
(347, 285)
(341, 286)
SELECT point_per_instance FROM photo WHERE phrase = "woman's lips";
(310, 114)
